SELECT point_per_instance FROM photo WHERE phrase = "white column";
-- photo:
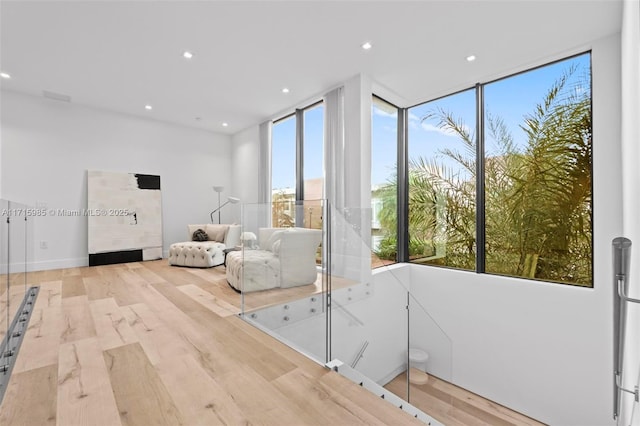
(630, 120)
(348, 174)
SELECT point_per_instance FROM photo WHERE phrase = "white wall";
(47, 147)
(543, 349)
(357, 141)
(1, 134)
(245, 165)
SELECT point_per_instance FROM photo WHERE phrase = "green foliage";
(388, 248)
(538, 198)
(539, 218)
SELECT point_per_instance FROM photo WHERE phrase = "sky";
(284, 148)
(511, 99)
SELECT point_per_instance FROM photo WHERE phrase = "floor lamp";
(232, 200)
(218, 189)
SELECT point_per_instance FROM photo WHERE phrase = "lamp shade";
(248, 236)
(232, 200)
(248, 240)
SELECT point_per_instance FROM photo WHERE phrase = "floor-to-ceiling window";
(500, 176)
(297, 174)
(442, 186)
(384, 182)
(313, 167)
(283, 175)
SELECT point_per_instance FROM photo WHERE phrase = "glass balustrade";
(15, 252)
(304, 276)
(282, 270)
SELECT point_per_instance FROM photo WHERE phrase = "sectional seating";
(205, 254)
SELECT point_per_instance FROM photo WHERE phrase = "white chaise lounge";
(205, 254)
(286, 258)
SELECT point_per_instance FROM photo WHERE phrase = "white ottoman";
(261, 270)
(197, 254)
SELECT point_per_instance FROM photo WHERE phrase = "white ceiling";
(121, 55)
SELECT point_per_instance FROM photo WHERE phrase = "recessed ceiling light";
(367, 45)
(148, 107)
(187, 54)
(471, 58)
(4, 75)
(285, 90)
(225, 124)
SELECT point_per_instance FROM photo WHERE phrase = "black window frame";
(403, 178)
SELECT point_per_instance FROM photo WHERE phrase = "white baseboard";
(45, 265)
(392, 375)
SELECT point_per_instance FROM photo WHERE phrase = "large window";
(384, 182)
(442, 181)
(538, 173)
(297, 177)
(313, 165)
(513, 195)
(283, 171)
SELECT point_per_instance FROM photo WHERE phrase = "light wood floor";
(455, 406)
(150, 344)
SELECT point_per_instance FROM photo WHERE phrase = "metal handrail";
(621, 256)
(623, 295)
(360, 354)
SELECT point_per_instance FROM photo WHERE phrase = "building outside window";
(298, 170)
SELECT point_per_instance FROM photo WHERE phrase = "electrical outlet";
(44, 245)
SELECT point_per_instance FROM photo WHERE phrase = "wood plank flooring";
(150, 344)
(455, 406)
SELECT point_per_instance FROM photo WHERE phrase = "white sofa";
(205, 254)
(286, 257)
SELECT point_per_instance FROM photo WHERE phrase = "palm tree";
(538, 198)
(550, 195)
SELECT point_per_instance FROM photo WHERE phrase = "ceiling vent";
(56, 96)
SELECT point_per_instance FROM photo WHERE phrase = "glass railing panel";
(14, 255)
(370, 329)
(375, 324)
(281, 272)
(382, 330)
(430, 360)
(5, 318)
(21, 216)
(369, 319)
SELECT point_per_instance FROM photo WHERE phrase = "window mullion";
(480, 182)
(403, 188)
(299, 218)
(299, 154)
